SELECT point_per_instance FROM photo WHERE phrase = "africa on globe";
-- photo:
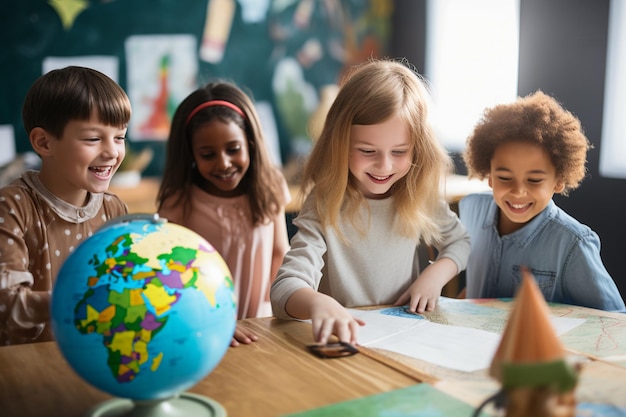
(143, 309)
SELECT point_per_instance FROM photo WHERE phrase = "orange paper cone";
(529, 336)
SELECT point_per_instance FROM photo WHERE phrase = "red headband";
(212, 103)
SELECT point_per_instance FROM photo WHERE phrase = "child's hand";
(243, 335)
(424, 293)
(329, 317)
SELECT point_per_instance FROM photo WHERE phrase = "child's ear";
(40, 141)
(489, 181)
(559, 187)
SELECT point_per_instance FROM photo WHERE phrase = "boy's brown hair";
(73, 93)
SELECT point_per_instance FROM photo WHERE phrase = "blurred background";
(290, 56)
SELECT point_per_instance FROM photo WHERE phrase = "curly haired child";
(529, 150)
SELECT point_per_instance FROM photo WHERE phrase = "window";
(472, 54)
(613, 149)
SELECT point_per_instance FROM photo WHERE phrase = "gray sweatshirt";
(373, 269)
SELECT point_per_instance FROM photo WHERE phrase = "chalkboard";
(322, 38)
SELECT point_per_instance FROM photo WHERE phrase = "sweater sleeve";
(455, 242)
(23, 311)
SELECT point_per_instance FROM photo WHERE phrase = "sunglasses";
(332, 350)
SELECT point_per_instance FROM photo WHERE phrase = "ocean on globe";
(143, 309)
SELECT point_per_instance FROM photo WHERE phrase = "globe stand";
(183, 405)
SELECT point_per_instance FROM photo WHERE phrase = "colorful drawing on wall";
(255, 42)
(68, 10)
(296, 100)
(162, 71)
(313, 43)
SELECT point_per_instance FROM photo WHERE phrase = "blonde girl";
(374, 195)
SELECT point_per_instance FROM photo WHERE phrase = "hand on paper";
(328, 317)
(424, 293)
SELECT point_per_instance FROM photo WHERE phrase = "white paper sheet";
(461, 348)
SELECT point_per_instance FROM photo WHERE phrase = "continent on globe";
(144, 309)
(129, 299)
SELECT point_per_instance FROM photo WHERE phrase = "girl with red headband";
(220, 182)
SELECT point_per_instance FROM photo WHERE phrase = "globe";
(144, 309)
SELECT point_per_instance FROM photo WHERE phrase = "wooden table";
(271, 377)
(276, 375)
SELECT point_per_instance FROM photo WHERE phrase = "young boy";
(529, 150)
(76, 119)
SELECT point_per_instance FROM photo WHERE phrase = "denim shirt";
(562, 253)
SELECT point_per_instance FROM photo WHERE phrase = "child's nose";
(112, 150)
(384, 162)
(518, 188)
(225, 162)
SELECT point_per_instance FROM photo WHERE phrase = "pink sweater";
(226, 223)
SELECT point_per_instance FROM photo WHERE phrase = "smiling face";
(83, 160)
(523, 180)
(380, 155)
(220, 151)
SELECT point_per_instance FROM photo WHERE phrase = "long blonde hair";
(370, 94)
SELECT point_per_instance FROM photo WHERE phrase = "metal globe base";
(183, 405)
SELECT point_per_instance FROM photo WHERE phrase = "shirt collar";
(63, 209)
(524, 236)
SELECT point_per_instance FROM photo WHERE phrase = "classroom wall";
(282, 52)
(562, 52)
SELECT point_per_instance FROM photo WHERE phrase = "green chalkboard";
(320, 37)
